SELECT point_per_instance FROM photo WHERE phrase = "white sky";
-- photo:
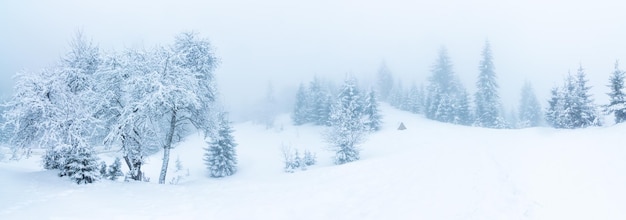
(288, 41)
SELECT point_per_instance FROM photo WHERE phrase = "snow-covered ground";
(429, 171)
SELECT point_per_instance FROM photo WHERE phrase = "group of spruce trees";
(350, 114)
(138, 101)
(445, 99)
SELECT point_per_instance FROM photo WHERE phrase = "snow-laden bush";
(293, 161)
(180, 172)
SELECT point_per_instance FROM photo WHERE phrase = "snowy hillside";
(431, 170)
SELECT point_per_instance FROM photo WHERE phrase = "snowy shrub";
(180, 172)
(293, 161)
(54, 158)
(115, 170)
(103, 170)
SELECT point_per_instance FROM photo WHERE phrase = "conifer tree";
(347, 130)
(373, 119)
(414, 100)
(80, 165)
(617, 104)
(115, 170)
(220, 156)
(463, 115)
(300, 112)
(487, 98)
(385, 81)
(584, 111)
(445, 100)
(529, 108)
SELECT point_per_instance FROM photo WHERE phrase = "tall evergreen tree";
(373, 119)
(347, 130)
(300, 112)
(220, 156)
(463, 115)
(487, 98)
(445, 100)
(584, 111)
(385, 81)
(413, 102)
(397, 96)
(529, 108)
(617, 104)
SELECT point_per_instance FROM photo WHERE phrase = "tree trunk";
(166, 148)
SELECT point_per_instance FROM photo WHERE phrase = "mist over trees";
(530, 114)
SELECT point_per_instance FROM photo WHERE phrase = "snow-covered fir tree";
(445, 100)
(347, 130)
(572, 106)
(462, 112)
(300, 110)
(80, 165)
(319, 112)
(617, 99)
(220, 156)
(584, 110)
(397, 96)
(529, 108)
(115, 170)
(384, 81)
(414, 99)
(373, 119)
(487, 99)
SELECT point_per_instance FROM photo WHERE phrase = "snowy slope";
(429, 171)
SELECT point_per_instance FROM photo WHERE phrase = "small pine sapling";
(103, 170)
(115, 170)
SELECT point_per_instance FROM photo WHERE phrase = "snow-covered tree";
(462, 112)
(52, 109)
(572, 106)
(413, 99)
(115, 170)
(617, 104)
(397, 96)
(81, 165)
(446, 100)
(385, 81)
(300, 111)
(169, 89)
(529, 108)
(487, 98)
(347, 130)
(319, 112)
(373, 119)
(584, 111)
(220, 156)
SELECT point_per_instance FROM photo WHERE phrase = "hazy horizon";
(286, 42)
